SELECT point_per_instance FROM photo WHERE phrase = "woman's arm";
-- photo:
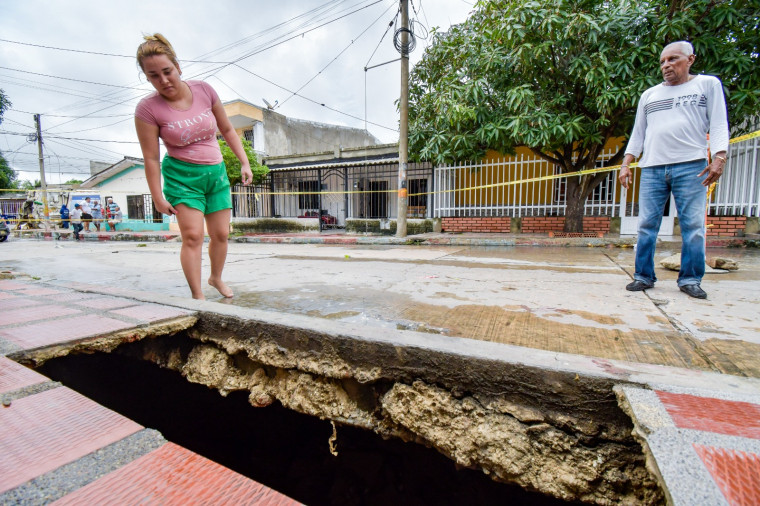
(147, 134)
(233, 141)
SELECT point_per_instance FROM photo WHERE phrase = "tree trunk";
(574, 210)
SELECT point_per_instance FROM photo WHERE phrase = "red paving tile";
(6, 284)
(38, 291)
(61, 330)
(72, 296)
(43, 431)
(30, 314)
(151, 312)
(14, 302)
(713, 415)
(14, 376)
(737, 473)
(106, 302)
(174, 475)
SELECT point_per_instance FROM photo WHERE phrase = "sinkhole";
(283, 449)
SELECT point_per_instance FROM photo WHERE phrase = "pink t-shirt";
(188, 135)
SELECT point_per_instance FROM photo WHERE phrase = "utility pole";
(42, 170)
(403, 141)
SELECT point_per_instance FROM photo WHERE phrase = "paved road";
(562, 299)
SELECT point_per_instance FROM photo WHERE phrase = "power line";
(312, 100)
(338, 56)
(71, 79)
(64, 116)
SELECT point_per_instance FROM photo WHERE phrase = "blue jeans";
(77, 228)
(657, 183)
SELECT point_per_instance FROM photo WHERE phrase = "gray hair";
(685, 47)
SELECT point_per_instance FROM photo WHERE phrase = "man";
(76, 220)
(86, 214)
(672, 123)
(115, 218)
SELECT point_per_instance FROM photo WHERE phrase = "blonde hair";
(156, 44)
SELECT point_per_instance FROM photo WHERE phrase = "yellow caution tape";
(470, 188)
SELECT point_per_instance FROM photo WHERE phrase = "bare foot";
(220, 285)
(199, 296)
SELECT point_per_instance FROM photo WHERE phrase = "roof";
(109, 172)
(337, 163)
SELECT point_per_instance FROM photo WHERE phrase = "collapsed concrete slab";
(521, 416)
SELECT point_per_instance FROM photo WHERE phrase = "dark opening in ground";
(280, 448)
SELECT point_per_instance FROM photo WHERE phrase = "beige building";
(273, 134)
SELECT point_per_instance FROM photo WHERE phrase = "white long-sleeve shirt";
(672, 122)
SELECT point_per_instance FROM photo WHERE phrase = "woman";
(186, 116)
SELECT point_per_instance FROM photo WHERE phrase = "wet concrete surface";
(571, 300)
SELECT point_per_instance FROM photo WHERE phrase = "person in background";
(97, 214)
(110, 206)
(86, 214)
(64, 212)
(186, 116)
(671, 127)
(114, 218)
(76, 220)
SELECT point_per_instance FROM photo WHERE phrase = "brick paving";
(706, 449)
(59, 447)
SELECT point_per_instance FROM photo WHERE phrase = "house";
(273, 134)
(355, 188)
(124, 182)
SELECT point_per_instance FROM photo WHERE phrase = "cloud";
(228, 30)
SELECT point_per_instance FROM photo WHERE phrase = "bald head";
(683, 47)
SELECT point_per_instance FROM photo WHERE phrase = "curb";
(427, 239)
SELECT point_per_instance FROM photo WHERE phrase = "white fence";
(477, 189)
(488, 196)
(738, 190)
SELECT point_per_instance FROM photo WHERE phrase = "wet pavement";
(570, 301)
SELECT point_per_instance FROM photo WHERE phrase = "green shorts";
(202, 187)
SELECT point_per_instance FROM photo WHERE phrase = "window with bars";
(248, 135)
(140, 207)
(308, 200)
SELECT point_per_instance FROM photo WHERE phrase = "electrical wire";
(314, 101)
(336, 58)
(70, 79)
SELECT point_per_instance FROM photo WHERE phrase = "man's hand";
(713, 170)
(625, 176)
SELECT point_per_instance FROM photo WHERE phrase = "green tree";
(73, 181)
(8, 176)
(233, 164)
(28, 185)
(562, 77)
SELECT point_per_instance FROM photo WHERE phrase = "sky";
(73, 63)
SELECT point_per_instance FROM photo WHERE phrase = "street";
(571, 300)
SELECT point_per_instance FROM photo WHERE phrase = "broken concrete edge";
(105, 343)
(602, 369)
